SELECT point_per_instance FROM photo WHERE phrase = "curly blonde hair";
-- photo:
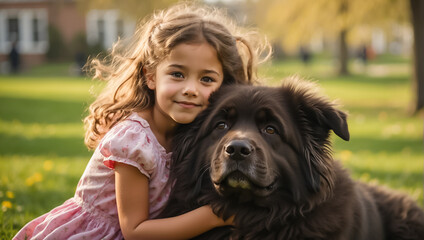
(124, 68)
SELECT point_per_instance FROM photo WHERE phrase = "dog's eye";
(221, 125)
(270, 130)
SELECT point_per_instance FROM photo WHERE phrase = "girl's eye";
(221, 126)
(270, 130)
(177, 75)
(207, 79)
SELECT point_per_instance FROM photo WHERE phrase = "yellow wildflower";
(48, 165)
(29, 181)
(6, 205)
(38, 177)
(10, 194)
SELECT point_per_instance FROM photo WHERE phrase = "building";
(40, 26)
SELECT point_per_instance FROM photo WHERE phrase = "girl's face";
(184, 81)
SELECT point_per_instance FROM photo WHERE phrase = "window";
(13, 29)
(27, 26)
(35, 30)
(101, 30)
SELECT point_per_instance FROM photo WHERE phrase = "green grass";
(42, 154)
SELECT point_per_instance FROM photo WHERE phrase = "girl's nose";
(190, 90)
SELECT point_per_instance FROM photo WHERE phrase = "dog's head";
(255, 142)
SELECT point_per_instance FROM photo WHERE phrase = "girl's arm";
(132, 198)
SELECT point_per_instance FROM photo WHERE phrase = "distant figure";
(80, 59)
(362, 54)
(370, 53)
(14, 58)
(305, 55)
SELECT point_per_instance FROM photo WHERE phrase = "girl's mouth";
(188, 104)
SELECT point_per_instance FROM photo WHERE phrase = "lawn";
(42, 154)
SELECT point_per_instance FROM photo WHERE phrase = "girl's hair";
(125, 67)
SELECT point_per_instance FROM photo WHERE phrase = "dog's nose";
(238, 149)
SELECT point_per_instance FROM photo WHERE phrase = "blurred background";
(367, 54)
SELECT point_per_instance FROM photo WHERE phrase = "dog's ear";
(323, 115)
(316, 116)
(320, 113)
(336, 120)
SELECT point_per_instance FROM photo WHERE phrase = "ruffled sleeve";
(129, 143)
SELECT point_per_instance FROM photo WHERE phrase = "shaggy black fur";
(263, 155)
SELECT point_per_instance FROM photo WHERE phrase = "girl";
(176, 60)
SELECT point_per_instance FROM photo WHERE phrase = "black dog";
(263, 155)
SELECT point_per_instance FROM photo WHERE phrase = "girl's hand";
(229, 221)
(132, 198)
(221, 222)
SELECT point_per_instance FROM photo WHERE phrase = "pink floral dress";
(92, 212)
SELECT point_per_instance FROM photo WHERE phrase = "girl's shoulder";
(131, 132)
(132, 124)
(134, 120)
(132, 142)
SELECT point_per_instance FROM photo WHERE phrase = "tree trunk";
(417, 12)
(343, 54)
(343, 49)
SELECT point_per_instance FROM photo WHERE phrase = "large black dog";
(263, 155)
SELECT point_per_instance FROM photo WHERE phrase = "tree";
(296, 22)
(417, 18)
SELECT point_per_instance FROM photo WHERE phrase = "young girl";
(163, 78)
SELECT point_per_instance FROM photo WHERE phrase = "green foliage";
(42, 155)
(79, 45)
(76, 49)
(57, 46)
(294, 23)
